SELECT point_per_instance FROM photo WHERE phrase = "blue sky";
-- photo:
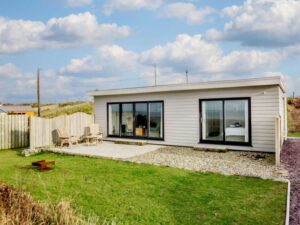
(82, 45)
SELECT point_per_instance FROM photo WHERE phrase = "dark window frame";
(223, 142)
(120, 120)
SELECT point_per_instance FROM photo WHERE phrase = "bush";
(294, 102)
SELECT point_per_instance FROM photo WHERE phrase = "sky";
(84, 45)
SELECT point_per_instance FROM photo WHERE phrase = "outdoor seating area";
(92, 136)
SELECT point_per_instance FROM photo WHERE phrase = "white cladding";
(181, 112)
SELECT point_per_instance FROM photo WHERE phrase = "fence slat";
(14, 131)
(19, 131)
(42, 130)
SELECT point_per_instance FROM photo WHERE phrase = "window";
(114, 119)
(141, 119)
(127, 120)
(155, 120)
(135, 120)
(225, 121)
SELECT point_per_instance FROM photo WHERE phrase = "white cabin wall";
(181, 115)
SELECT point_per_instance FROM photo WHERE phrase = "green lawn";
(295, 134)
(145, 194)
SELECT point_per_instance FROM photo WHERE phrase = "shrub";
(18, 207)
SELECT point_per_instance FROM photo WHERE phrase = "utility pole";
(155, 74)
(38, 92)
(187, 76)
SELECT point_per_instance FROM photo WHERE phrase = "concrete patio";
(107, 149)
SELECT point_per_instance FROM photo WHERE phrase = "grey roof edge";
(233, 83)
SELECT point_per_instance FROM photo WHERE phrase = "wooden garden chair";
(94, 135)
(65, 138)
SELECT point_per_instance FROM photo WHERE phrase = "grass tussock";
(19, 208)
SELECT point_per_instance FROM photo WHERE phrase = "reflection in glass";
(236, 120)
(155, 120)
(141, 119)
(127, 120)
(212, 120)
(114, 119)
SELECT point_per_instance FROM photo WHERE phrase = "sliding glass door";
(127, 120)
(212, 116)
(236, 121)
(226, 121)
(114, 120)
(141, 119)
(155, 120)
(136, 120)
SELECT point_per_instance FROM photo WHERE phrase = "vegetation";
(294, 117)
(131, 193)
(68, 108)
(18, 207)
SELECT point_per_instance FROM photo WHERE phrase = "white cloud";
(187, 11)
(77, 3)
(114, 54)
(82, 28)
(19, 35)
(113, 67)
(9, 70)
(83, 65)
(109, 59)
(73, 30)
(123, 5)
(267, 23)
(195, 54)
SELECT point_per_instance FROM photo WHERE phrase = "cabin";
(233, 114)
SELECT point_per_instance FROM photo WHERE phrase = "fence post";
(277, 140)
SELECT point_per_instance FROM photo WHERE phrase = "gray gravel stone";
(230, 163)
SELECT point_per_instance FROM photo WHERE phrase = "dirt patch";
(290, 159)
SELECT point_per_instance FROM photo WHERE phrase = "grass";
(145, 194)
(68, 108)
(294, 134)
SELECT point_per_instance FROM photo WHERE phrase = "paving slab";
(108, 150)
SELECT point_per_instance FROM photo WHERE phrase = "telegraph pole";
(38, 92)
(187, 76)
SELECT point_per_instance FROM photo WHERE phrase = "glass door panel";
(114, 120)
(236, 120)
(127, 120)
(141, 119)
(212, 120)
(155, 120)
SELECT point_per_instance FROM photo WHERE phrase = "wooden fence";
(14, 131)
(43, 131)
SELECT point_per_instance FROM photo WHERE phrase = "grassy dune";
(68, 108)
(294, 117)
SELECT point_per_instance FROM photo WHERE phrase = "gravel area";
(290, 158)
(229, 163)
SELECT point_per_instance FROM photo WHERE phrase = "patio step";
(210, 148)
(131, 142)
